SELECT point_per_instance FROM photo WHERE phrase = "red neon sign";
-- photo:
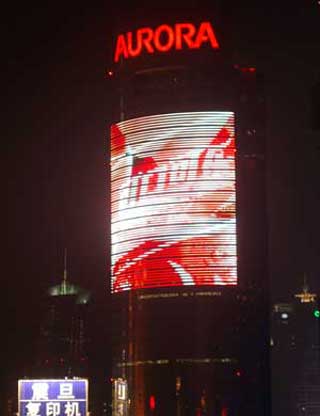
(164, 38)
(152, 402)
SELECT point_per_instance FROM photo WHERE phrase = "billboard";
(173, 199)
(119, 397)
(53, 397)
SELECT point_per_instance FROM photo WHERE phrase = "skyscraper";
(64, 337)
(295, 355)
(188, 226)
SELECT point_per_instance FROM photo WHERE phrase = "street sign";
(42, 397)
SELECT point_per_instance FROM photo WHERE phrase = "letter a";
(206, 34)
(121, 48)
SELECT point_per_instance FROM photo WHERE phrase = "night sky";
(56, 101)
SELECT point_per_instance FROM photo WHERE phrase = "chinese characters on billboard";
(53, 397)
(173, 201)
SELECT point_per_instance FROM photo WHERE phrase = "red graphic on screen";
(173, 201)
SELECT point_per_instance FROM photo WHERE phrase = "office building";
(188, 227)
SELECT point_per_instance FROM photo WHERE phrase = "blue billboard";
(43, 397)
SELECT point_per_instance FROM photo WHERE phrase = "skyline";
(55, 156)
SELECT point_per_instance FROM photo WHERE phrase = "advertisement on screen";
(53, 397)
(173, 201)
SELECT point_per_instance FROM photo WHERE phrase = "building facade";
(295, 355)
(63, 345)
(188, 227)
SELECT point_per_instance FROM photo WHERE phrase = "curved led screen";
(173, 201)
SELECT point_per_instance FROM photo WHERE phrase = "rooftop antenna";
(305, 285)
(65, 274)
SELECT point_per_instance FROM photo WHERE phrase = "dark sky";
(53, 143)
(56, 101)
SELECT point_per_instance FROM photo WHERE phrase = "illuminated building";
(295, 355)
(67, 345)
(188, 227)
(63, 349)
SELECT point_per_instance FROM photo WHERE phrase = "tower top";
(65, 288)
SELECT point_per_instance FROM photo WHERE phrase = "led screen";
(173, 201)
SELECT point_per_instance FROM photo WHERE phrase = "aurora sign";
(164, 38)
